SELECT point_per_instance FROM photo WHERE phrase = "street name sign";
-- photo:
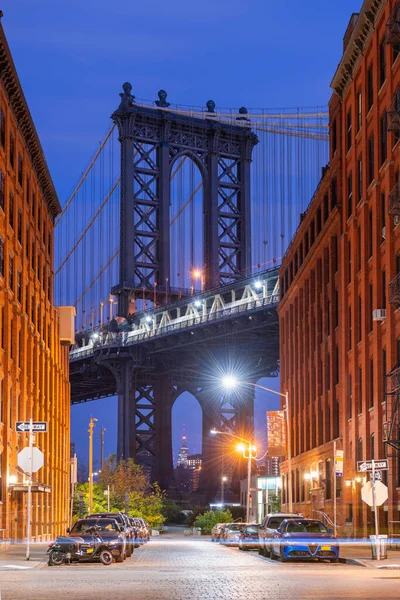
(381, 493)
(37, 459)
(365, 466)
(37, 426)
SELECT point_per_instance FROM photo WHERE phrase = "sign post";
(377, 545)
(28, 529)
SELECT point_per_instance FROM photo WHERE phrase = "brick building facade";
(340, 268)
(33, 364)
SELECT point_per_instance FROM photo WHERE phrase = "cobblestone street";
(188, 568)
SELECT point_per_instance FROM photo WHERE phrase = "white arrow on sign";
(381, 493)
(37, 459)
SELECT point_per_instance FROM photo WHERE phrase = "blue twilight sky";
(72, 58)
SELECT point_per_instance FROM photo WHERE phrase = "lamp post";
(223, 480)
(197, 274)
(230, 382)
(92, 425)
(245, 444)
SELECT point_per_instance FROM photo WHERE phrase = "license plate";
(88, 550)
(325, 548)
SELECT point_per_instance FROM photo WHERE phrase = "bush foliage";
(207, 520)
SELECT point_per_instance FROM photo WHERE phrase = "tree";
(207, 520)
(123, 477)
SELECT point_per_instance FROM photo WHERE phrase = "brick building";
(33, 364)
(339, 273)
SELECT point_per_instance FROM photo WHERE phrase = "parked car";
(306, 539)
(231, 535)
(248, 537)
(88, 540)
(123, 520)
(136, 532)
(144, 527)
(268, 527)
(216, 531)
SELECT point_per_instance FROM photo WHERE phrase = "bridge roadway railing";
(257, 294)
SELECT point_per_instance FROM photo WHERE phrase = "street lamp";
(230, 382)
(223, 481)
(197, 274)
(249, 456)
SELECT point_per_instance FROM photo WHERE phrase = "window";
(33, 255)
(2, 128)
(2, 191)
(39, 224)
(383, 212)
(336, 307)
(33, 204)
(359, 109)
(336, 365)
(27, 298)
(359, 179)
(312, 233)
(20, 227)
(383, 289)
(349, 194)
(27, 241)
(11, 272)
(370, 87)
(359, 449)
(370, 231)
(335, 261)
(359, 319)
(1, 256)
(334, 137)
(371, 383)
(383, 138)
(28, 190)
(19, 286)
(371, 159)
(371, 300)
(350, 393)
(12, 150)
(348, 261)
(372, 446)
(326, 207)
(384, 369)
(333, 192)
(349, 129)
(328, 479)
(19, 169)
(360, 402)
(11, 210)
(382, 62)
(350, 328)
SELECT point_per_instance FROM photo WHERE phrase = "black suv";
(123, 520)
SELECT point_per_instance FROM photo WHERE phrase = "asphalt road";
(192, 569)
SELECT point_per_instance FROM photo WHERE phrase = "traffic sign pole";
(377, 545)
(28, 528)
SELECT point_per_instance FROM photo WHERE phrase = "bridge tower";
(152, 140)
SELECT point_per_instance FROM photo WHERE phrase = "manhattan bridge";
(169, 249)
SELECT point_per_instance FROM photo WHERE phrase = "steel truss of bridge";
(150, 358)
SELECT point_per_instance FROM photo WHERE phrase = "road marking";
(14, 567)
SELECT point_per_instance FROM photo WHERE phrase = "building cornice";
(13, 89)
(358, 41)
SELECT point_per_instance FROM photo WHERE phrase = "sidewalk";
(14, 557)
(361, 555)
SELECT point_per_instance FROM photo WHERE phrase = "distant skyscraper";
(272, 466)
(183, 452)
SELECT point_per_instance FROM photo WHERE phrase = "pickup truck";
(268, 528)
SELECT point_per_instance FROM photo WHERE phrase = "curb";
(352, 561)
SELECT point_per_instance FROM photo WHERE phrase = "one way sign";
(366, 466)
(37, 426)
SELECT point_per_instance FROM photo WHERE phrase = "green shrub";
(207, 520)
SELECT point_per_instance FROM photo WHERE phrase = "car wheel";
(272, 554)
(334, 560)
(106, 557)
(120, 558)
(267, 551)
(56, 558)
(282, 556)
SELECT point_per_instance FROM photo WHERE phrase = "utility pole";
(102, 430)
(92, 425)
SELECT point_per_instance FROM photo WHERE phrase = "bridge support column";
(164, 398)
(211, 466)
(124, 377)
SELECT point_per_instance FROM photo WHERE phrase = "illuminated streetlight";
(223, 481)
(230, 382)
(251, 455)
(197, 274)
(258, 285)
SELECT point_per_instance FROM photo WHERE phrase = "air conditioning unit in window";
(384, 233)
(379, 314)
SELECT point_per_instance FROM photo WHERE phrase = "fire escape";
(393, 27)
(391, 425)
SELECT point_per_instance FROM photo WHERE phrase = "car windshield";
(82, 526)
(275, 522)
(306, 527)
(237, 527)
(252, 529)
